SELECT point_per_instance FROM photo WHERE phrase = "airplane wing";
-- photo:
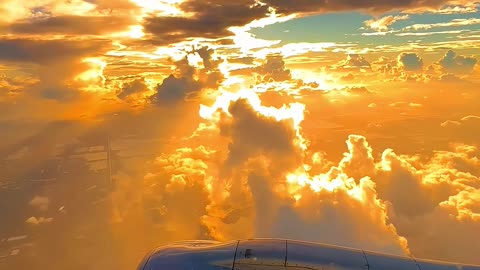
(279, 254)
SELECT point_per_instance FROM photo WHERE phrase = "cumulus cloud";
(353, 61)
(210, 20)
(348, 78)
(358, 161)
(71, 25)
(187, 80)
(175, 89)
(128, 89)
(274, 69)
(40, 203)
(249, 172)
(251, 189)
(383, 24)
(180, 175)
(253, 134)
(410, 61)
(451, 62)
(450, 78)
(49, 51)
(432, 196)
(57, 64)
(452, 23)
(39, 220)
(305, 6)
(407, 67)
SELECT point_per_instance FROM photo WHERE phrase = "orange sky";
(346, 122)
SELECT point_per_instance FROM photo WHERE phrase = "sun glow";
(293, 111)
(165, 7)
(93, 78)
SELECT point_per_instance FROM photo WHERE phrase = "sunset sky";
(348, 122)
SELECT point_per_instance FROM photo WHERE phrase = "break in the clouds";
(213, 20)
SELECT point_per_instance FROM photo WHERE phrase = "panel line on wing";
(366, 259)
(235, 255)
(286, 253)
(415, 260)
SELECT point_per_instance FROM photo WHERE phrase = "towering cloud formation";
(410, 61)
(188, 80)
(259, 178)
(452, 62)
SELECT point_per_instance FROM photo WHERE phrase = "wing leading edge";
(279, 254)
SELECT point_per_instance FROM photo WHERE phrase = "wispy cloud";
(452, 23)
(404, 34)
(383, 24)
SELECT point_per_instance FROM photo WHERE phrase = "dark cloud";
(210, 20)
(206, 54)
(71, 25)
(253, 134)
(57, 63)
(131, 88)
(272, 69)
(48, 51)
(175, 89)
(247, 60)
(57, 92)
(376, 6)
(410, 61)
(187, 80)
(452, 62)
